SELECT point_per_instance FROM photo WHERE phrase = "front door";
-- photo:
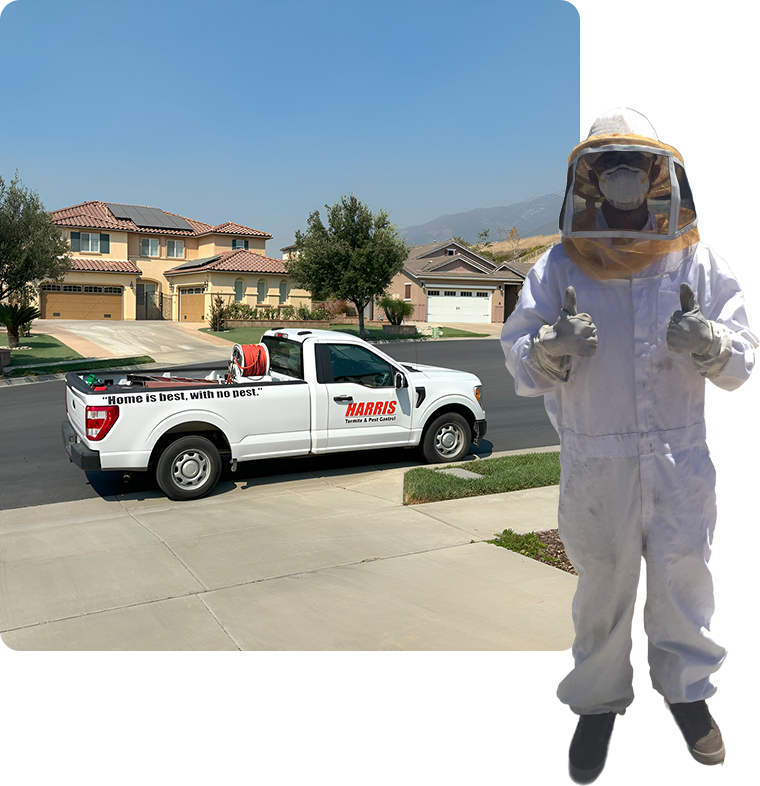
(365, 409)
(148, 306)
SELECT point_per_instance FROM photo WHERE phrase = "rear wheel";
(188, 468)
(447, 438)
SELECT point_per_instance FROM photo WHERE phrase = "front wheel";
(188, 468)
(447, 438)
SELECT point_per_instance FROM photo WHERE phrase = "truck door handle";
(344, 399)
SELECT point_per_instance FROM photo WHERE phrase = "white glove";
(688, 330)
(571, 334)
(709, 343)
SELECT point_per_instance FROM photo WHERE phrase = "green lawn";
(507, 473)
(44, 349)
(252, 335)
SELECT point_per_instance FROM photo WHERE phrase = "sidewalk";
(309, 561)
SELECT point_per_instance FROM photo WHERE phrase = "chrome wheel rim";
(449, 439)
(191, 469)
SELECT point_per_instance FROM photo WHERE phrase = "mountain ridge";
(534, 216)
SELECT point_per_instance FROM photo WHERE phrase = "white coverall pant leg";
(612, 511)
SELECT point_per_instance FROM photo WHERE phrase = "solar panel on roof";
(148, 217)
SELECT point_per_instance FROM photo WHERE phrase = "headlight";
(479, 394)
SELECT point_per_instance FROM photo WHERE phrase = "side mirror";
(399, 380)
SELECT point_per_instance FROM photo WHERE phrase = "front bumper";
(85, 458)
(480, 430)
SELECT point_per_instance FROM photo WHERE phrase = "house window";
(261, 291)
(283, 291)
(239, 291)
(71, 288)
(175, 248)
(450, 252)
(240, 244)
(149, 247)
(481, 294)
(449, 293)
(434, 292)
(466, 294)
(51, 287)
(407, 291)
(89, 241)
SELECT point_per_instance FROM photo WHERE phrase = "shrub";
(303, 311)
(217, 314)
(395, 310)
(320, 313)
(287, 312)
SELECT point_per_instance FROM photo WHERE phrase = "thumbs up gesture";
(572, 333)
(688, 330)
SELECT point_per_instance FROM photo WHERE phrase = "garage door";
(458, 305)
(191, 304)
(73, 301)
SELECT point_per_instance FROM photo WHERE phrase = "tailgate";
(75, 409)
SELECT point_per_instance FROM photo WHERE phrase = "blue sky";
(260, 112)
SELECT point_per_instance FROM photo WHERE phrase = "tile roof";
(96, 215)
(103, 265)
(425, 261)
(230, 228)
(238, 261)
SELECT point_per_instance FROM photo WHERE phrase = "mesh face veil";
(607, 229)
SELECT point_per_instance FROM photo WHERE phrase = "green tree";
(353, 258)
(32, 247)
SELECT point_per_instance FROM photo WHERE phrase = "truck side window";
(285, 357)
(351, 363)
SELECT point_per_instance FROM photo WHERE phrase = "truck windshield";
(285, 357)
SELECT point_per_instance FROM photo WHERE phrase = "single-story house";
(134, 262)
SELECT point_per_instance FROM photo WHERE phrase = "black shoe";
(700, 731)
(588, 750)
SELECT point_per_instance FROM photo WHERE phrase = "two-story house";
(133, 262)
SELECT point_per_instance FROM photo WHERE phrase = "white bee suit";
(636, 474)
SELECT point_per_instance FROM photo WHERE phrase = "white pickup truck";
(318, 391)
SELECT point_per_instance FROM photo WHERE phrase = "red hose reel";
(249, 360)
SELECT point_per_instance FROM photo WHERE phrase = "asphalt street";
(35, 470)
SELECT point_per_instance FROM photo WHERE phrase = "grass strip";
(85, 365)
(43, 349)
(527, 544)
(506, 473)
(252, 335)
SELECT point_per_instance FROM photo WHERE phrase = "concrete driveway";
(166, 342)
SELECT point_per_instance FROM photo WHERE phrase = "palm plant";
(14, 317)
(396, 310)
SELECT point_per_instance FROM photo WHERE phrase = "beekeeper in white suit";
(624, 385)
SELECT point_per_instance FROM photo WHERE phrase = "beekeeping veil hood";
(643, 180)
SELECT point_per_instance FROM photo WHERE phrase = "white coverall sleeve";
(539, 304)
(731, 367)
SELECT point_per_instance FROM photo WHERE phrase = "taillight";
(98, 421)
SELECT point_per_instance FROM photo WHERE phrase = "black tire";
(188, 468)
(447, 438)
